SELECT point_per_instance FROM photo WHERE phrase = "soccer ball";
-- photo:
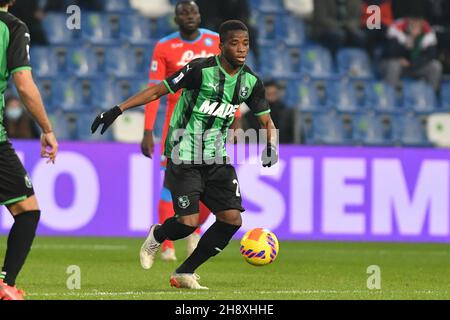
(259, 247)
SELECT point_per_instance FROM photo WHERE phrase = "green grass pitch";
(110, 269)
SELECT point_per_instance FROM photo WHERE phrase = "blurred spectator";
(61, 5)
(301, 8)
(375, 37)
(32, 14)
(337, 23)
(281, 115)
(438, 14)
(215, 12)
(152, 9)
(404, 8)
(18, 123)
(411, 51)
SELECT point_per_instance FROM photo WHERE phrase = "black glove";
(106, 118)
(269, 156)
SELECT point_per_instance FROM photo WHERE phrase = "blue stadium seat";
(290, 30)
(82, 62)
(64, 125)
(347, 96)
(142, 56)
(104, 94)
(116, 6)
(354, 63)
(100, 28)
(373, 129)
(292, 58)
(43, 61)
(329, 129)
(267, 27)
(445, 96)
(410, 130)
(316, 61)
(135, 29)
(272, 62)
(45, 86)
(251, 62)
(306, 96)
(121, 62)
(419, 97)
(270, 6)
(381, 97)
(55, 28)
(73, 95)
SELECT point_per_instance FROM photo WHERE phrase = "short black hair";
(230, 25)
(182, 2)
(4, 3)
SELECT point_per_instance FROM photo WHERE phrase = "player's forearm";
(32, 100)
(270, 129)
(144, 97)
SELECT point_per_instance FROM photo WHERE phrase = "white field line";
(106, 247)
(100, 294)
(88, 247)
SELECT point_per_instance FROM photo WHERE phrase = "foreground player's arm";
(260, 107)
(145, 96)
(18, 65)
(32, 100)
(187, 77)
(270, 154)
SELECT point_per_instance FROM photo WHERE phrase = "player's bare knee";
(232, 217)
(191, 220)
(28, 205)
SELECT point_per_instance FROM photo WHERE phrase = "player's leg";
(215, 239)
(223, 197)
(165, 211)
(26, 216)
(185, 184)
(17, 194)
(194, 238)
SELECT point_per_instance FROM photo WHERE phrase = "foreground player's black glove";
(106, 118)
(269, 156)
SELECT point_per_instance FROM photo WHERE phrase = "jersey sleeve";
(18, 56)
(156, 74)
(257, 100)
(189, 77)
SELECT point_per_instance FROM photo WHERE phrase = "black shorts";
(216, 185)
(15, 184)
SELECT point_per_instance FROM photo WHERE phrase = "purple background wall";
(316, 193)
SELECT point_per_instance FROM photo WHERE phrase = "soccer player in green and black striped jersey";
(213, 88)
(16, 190)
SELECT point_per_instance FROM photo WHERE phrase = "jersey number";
(238, 194)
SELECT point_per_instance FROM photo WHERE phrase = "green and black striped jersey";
(206, 108)
(14, 56)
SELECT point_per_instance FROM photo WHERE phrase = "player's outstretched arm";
(145, 96)
(269, 156)
(32, 100)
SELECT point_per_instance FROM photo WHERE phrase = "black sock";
(215, 239)
(20, 240)
(172, 230)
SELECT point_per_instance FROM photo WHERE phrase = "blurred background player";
(16, 189)
(172, 53)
